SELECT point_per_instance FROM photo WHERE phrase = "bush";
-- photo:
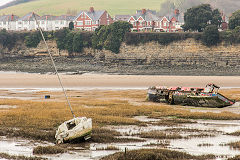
(211, 35)
(110, 37)
(77, 42)
(61, 38)
(33, 39)
(234, 20)
(161, 38)
(231, 36)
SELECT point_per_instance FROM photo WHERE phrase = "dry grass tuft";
(205, 145)
(6, 156)
(174, 122)
(160, 135)
(155, 154)
(102, 135)
(109, 148)
(235, 158)
(237, 133)
(234, 145)
(48, 150)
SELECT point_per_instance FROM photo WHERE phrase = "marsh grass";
(234, 145)
(173, 122)
(160, 135)
(205, 145)
(102, 135)
(235, 158)
(155, 154)
(109, 148)
(39, 119)
(7, 156)
(237, 133)
(48, 150)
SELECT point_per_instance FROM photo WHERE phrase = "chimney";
(176, 12)
(143, 11)
(91, 9)
(224, 18)
(12, 17)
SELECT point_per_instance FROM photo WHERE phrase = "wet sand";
(30, 80)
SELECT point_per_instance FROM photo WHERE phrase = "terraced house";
(62, 21)
(148, 20)
(27, 22)
(90, 20)
(8, 22)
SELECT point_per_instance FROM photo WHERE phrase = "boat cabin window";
(71, 125)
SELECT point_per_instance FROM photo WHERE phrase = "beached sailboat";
(76, 128)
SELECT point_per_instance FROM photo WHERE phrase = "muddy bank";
(83, 64)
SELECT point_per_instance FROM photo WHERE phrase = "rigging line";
(59, 79)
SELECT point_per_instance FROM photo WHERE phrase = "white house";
(8, 22)
(27, 22)
(46, 22)
(62, 21)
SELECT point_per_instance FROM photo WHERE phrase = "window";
(42, 22)
(79, 23)
(19, 23)
(96, 22)
(62, 22)
(87, 22)
(164, 24)
(108, 22)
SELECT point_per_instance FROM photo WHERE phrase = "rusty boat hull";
(199, 97)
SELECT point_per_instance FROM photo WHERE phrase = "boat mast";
(53, 63)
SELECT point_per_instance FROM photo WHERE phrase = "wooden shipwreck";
(189, 96)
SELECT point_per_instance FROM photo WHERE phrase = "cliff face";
(188, 55)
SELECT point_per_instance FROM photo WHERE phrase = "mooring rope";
(59, 79)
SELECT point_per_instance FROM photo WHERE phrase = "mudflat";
(33, 80)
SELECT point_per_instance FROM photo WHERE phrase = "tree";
(61, 39)
(197, 18)
(211, 35)
(234, 20)
(33, 40)
(69, 43)
(77, 42)
(71, 26)
(110, 37)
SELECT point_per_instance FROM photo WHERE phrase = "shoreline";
(110, 81)
(85, 64)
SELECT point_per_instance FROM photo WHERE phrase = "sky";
(2, 2)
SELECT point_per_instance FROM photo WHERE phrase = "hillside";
(58, 7)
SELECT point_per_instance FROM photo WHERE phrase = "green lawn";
(58, 7)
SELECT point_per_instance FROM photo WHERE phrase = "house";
(90, 20)
(122, 18)
(27, 22)
(8, 22)
(62, 21)
(145, 20)
(46, 22)
(174, 22)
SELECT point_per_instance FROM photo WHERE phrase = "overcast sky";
(2, 2)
